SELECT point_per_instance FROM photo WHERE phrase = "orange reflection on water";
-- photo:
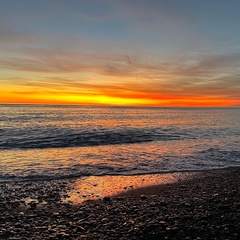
(97, 187)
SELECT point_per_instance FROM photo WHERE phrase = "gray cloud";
(10, 37)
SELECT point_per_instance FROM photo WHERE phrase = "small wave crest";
(220, 155)
(91, 138)
(85, 170)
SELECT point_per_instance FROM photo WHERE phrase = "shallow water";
(54, 142)
(98, 187)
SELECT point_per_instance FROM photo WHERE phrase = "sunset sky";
(120, 52)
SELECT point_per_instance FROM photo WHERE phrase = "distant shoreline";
(117, 106)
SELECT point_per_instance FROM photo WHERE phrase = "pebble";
(187, 205)
(163, 223)
(106, 199)
(143, 197)
(211, 211)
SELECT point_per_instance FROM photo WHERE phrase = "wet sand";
(204, 206)
(98, 187)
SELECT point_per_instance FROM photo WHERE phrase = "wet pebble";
(207, 208)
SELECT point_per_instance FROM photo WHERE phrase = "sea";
(41, 142)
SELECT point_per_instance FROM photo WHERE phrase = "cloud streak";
(210, 75)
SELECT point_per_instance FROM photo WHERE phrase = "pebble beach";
(204, 206)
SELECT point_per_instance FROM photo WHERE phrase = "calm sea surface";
(51, 142)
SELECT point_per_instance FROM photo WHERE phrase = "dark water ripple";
(52, 142)
(23, 140)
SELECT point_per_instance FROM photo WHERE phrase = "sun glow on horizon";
(97, 99)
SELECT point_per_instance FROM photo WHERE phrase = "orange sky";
(105, 98)
(154, 53)
(135, 85)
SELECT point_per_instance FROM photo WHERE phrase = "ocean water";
(53, 142)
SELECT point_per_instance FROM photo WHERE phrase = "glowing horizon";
(118, 101)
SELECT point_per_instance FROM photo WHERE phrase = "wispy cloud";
(9, 37)
(209, 74)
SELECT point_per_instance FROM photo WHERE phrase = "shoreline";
(195, 176)
(74, 178)
(203, 206)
